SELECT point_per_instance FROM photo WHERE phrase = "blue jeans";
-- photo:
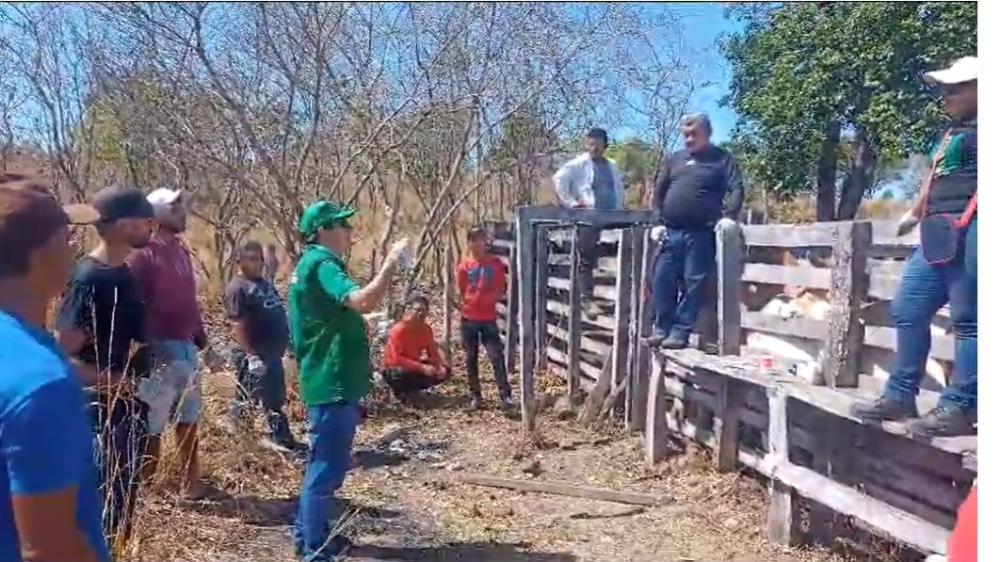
(331, 435)
(680, 276)
(121, 429)
(267, 390)
(923, 290)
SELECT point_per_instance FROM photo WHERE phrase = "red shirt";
(483, 284)
(962, 545)
(410, 347)
(166, 279)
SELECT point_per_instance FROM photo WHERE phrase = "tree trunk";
(860, 176)
(826, 174)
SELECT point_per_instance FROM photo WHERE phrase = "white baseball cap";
(163, 196)
(965, 69)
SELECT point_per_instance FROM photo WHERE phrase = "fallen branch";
(561, 489)
(609, 402)
(625, 513)
(592, 406)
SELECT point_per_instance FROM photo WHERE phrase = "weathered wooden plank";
(606, 266)
(597, 217)
(623, 285)
(884, 234)
(605, 292)
(655, 436)
(526, 278)
(836, 401)
(883, 337)
(562, 489)
(727, 425)
(607, 238)
(541, 281)
(802, 275)
(780, 512)
(773, 324)
(573, 384)
(603, 321)
(902, 527)
(849, 285)
(642, 314)
(910, 505)
(729, 268)
(588, 371)
(789, 235)
(590, 344)
(632, 421)
(513, 296)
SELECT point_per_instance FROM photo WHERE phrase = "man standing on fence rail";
(590, 181)
(696, 187)
(941, 270)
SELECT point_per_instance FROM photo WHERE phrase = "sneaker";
(507, 403)
(674, 342)
(276, 445)
(475, 405)
(943, 421)
(655, 339)
(884, 409)
(335, 546)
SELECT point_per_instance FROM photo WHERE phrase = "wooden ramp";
(805, 440)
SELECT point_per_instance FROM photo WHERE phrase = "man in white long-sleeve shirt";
(590, 181)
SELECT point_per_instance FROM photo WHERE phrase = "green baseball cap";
(323, 214)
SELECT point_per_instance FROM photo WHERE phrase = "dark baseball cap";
(117, 203)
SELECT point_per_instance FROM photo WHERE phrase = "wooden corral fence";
(831, 478)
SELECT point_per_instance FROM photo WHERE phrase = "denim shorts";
(173, 389)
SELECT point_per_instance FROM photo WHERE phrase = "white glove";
(256, 366)
(725, 224)
(399, 254)
(906, 224)
(656, 233)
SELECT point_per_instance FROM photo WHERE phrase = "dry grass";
(400, 509)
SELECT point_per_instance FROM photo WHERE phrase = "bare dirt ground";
(402, 507)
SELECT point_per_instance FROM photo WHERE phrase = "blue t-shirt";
(46, 444)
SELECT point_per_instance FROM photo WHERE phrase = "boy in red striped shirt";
(482, 281)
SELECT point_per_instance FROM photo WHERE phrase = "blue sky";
(703, 24)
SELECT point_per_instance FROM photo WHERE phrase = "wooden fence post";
(729, 271)
(541, 294)
(639, 329)
(781, 508)
(655, 437)
(574, 332)
(623, 285)
(729, 402)
(848, 287)
(513, 296)
(526, 276)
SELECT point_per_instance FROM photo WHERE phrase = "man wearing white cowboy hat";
(942, 270)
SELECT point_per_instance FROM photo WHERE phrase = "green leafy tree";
(810, 79)
(637, 160)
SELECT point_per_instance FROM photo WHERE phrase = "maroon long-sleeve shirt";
(166, 278)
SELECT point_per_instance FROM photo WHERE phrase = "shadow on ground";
(277, 512)
(477, 552)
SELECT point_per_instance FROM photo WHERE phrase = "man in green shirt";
(331, 345)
